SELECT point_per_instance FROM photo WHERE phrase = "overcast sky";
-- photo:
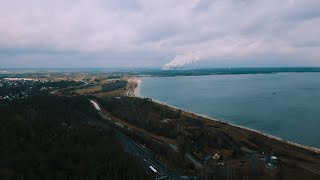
(154, 33)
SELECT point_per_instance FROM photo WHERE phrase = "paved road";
(145, 156)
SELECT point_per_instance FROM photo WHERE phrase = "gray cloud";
(153, 33)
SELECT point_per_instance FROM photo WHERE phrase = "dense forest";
(144, 113)
(118, 84)
(48, 137)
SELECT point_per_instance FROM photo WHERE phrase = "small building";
(216, 156)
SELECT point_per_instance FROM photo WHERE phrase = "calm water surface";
(286, 105)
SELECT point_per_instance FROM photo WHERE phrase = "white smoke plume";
(181, 60)
(212, 50)
(229, 48)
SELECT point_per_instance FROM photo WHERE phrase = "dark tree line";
(59, 84)
(118, 84)
(47, 137)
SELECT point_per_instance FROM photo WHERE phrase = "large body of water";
(286, 105)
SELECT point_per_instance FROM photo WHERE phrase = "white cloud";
(177, 31)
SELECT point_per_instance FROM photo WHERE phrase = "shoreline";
(136, 93)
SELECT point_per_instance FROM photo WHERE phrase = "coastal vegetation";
(118, 84)
(181, 137)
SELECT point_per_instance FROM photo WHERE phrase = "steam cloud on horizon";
(231, 48)
(163, 33)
